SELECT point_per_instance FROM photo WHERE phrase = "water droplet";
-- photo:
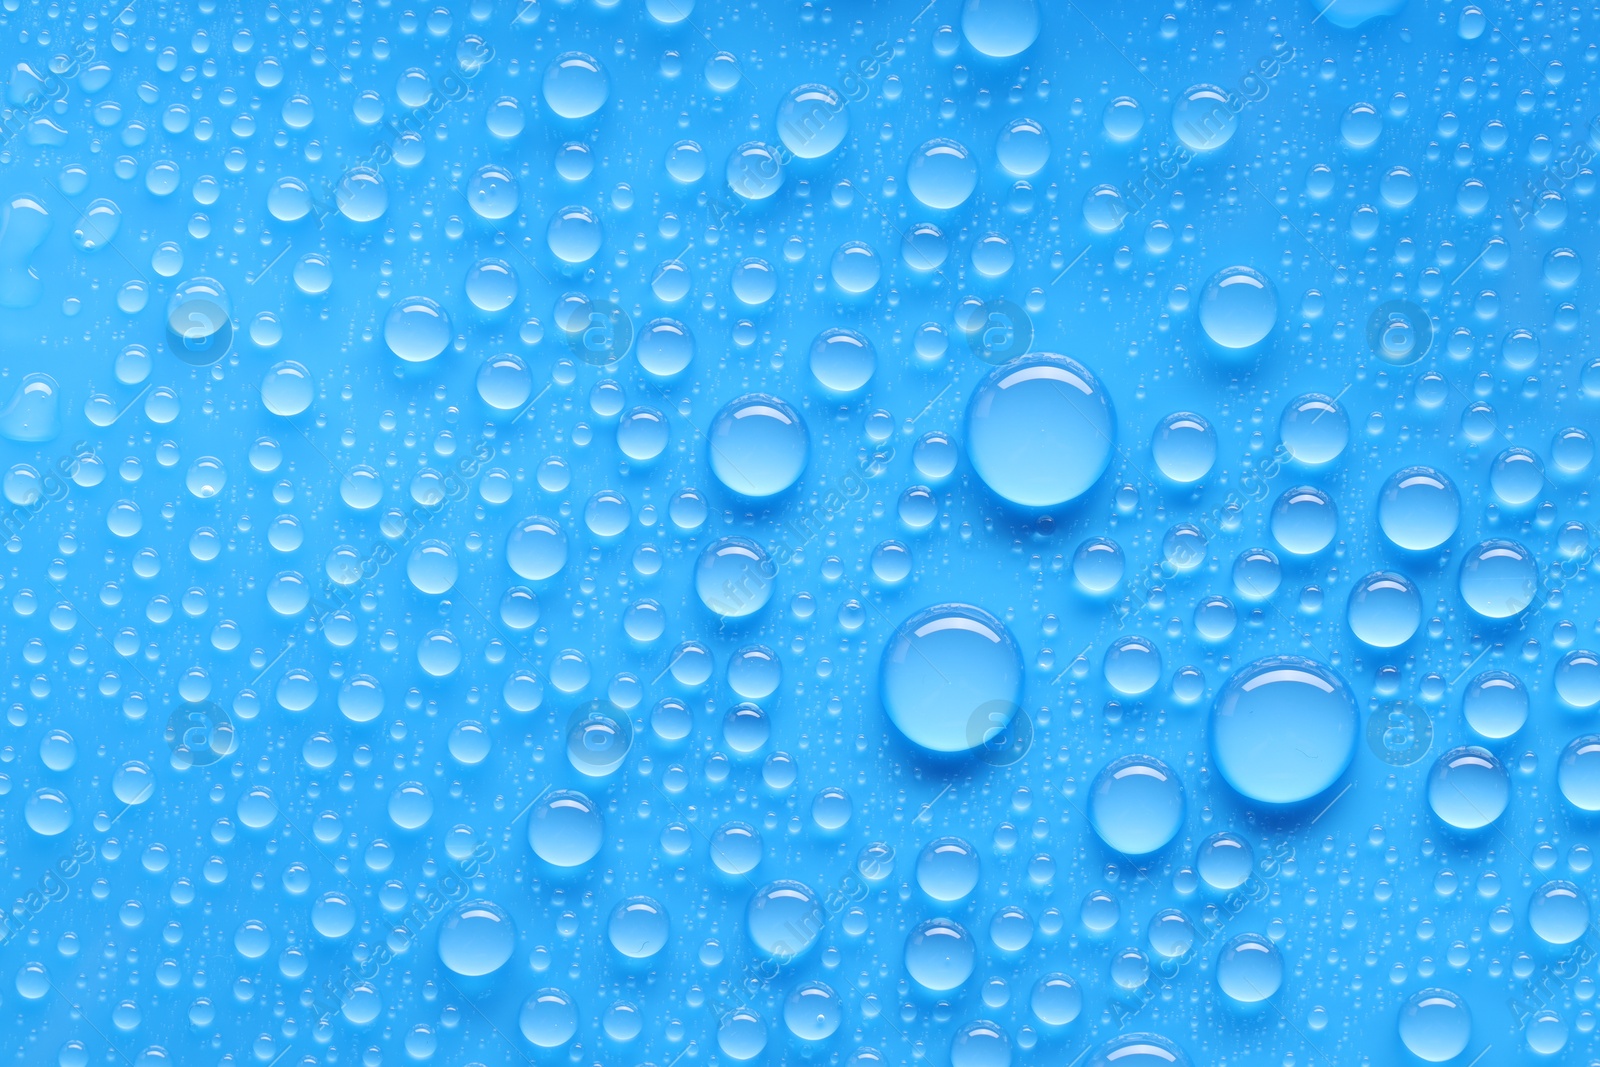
(1138, 1050)
(1385, 609)
(1283, 729)
(949, 674)
(1577, 678)
(1184, 446)
(1136, 805)
(1468, 788)
(416, 329)
(536, 549)
(940, 955)
(575, 85)
(842, 361)
(1419, 508)
(477, 938)
(942, 174)
(1238, 308)
(1225, 861)
(784, 919)
(549, 1018)
(1249, 969)
(812, 120)
(1204, 118)
(1000, 28)
(1034, 408)
(638, 928)
(1495, 704)
(566, 829)
(758, 445)
(1498, 578)
(1304, 520)
(33, 414)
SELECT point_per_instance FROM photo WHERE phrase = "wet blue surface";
(645, 533)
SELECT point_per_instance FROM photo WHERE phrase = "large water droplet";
(1283, 729)
(1385, 609)
(1578, 774)
(1435, 1025)
(638, 928)
(812, 120)
(536, 548)
(549, 1018)
(1238, 308)
(1577, 678)
(758, 445)
(1000, 28)
(565, 829)
(1184, 446)
(940, 955)
(1498, 578)
(1495, 704)
(1419, 508)
(575, 85)
(942, 174)
(477, 938)
(784, 919)
(1136, 805)
(1249, 969)
(1304, 520)
(950, 675)
(1205, 118)
(1028, 417)
(33, 414)
(416, 329)
(1468, 788)
(1138, 1050)
(1314, 429)
(948, 869)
